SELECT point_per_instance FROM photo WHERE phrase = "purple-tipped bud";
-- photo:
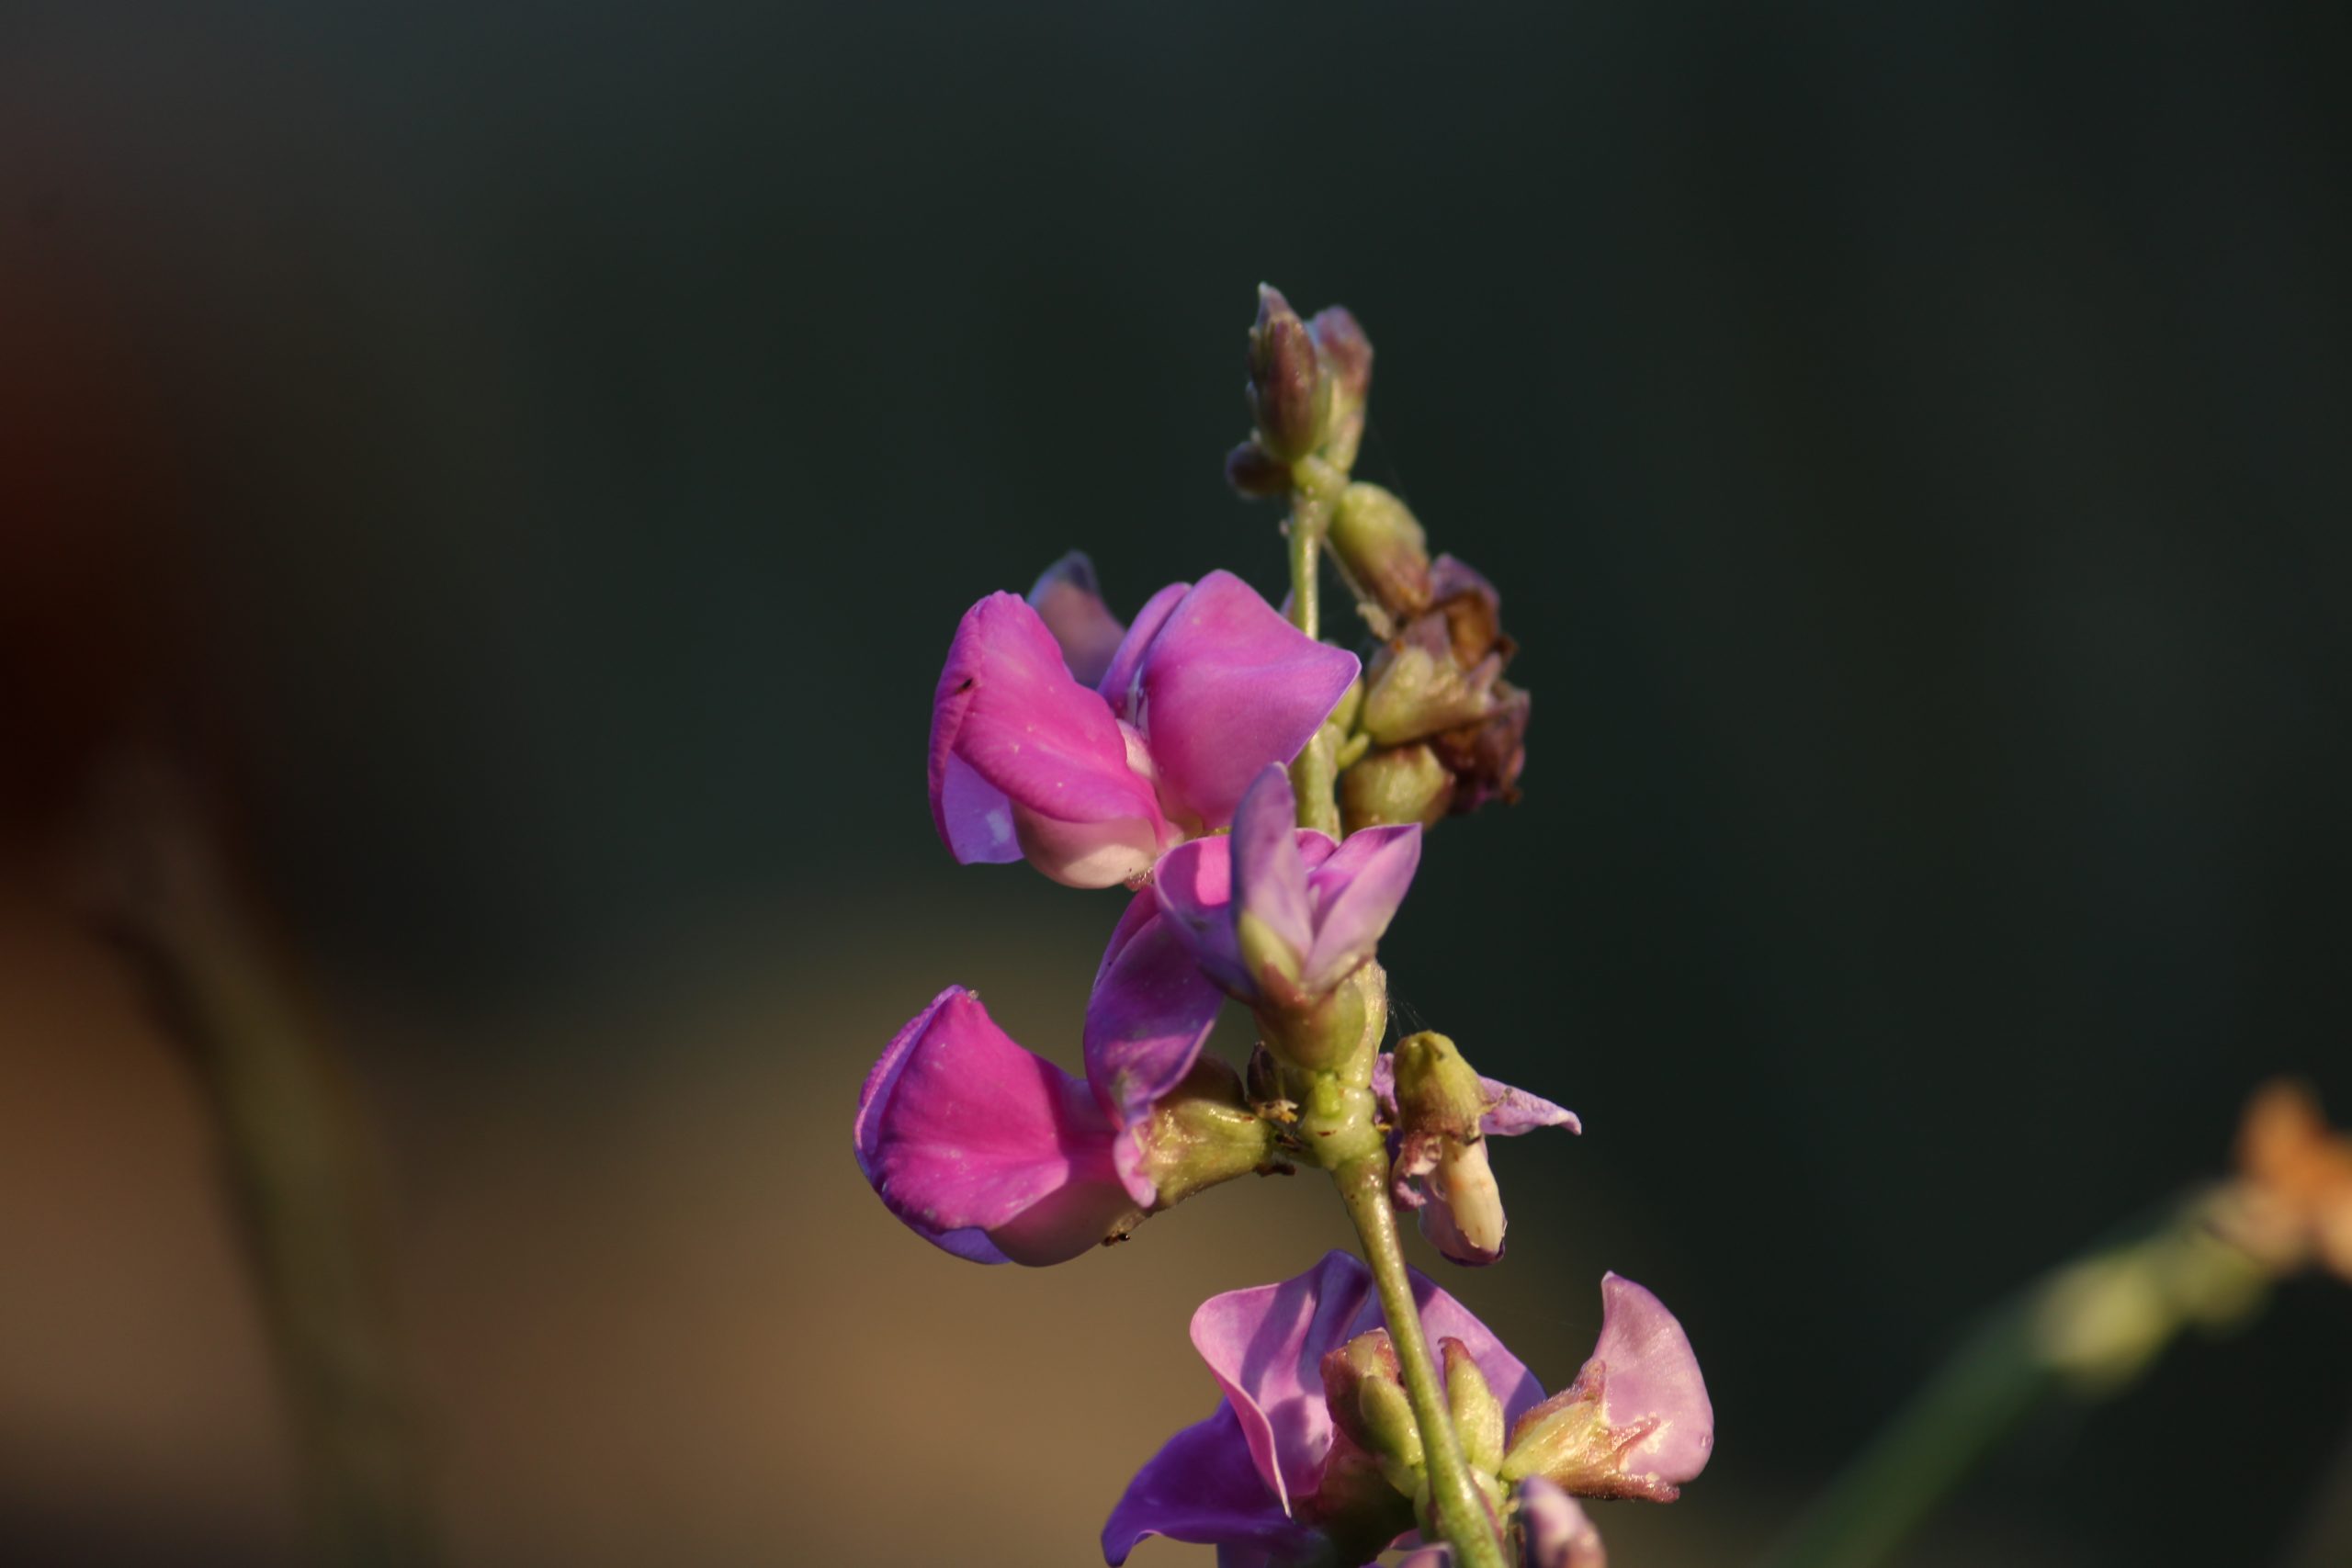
(1347, 353)
(1637, 1423)
(1381, 548)
(1347, 366)
(1288, 395)
(1395, 785)
(1255, 472)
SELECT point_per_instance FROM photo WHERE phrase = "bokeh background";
(548, 448)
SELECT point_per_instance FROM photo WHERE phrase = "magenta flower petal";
(1118, 681)
(1227, 686)
(1067, 599)
(973, 816)
(1204, 1489)
(1266, 1346)
(1268, 875)
(1356, 894)
(1193, 884)
(983, 1147)
(1512, 1112)
(1150, 1012)
(1647, 1373)
(1509, 1111)
(1007, 709)
(1558, 1533)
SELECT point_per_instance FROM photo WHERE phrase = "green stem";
(2086, 1331)
(1460, 1508)
(285, 1121)
(1315, 490)
(1973, 1401)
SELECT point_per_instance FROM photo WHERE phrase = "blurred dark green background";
(1915, 447)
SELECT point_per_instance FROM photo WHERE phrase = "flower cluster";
(1264, 796)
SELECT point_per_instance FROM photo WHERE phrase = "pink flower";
(1316, 909)
(1092, 784)
(995, 1153)
(1262, 1477)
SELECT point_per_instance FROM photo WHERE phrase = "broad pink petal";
(1068, 600)
(1007, 709)
(1647, 1372)
(1148, 1015)
(1227, 686)
(1203, 1488)
(1356, 894)
(1266, 1347)
(981, 1147)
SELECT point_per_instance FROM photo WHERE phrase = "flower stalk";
(1460, 1509)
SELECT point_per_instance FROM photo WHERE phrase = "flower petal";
(1266, 1346)
(1007, 709)
(1193, 884)
(1558, 1533)
(1148, 1015)
(1509, 1111)
(1118, 682)
(1203, 1488)
(1227, 686)
(1269, 876)
(1647, 1373)
(983, 1147)
(1356, 893)
(1068, 600)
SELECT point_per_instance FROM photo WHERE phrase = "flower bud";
(1347, 364)
(1477, 1414)
(1441, 1113)
(1255, 472)
(1367, 1400)
(1289, 396)
(1382, 549)
(1396, 784)
(1436, 1092)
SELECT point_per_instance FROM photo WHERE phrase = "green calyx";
(1205, 1132)
(1437, 1090)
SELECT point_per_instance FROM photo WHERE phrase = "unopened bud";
(1382, 549)
(1437, 1090)
(1347, 364)
(1477, 1414)
(1288, 394)
(1395, 785)
(1369, 1403)
(1253, 472)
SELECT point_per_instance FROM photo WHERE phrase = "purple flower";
(997, 1155)
(1092, 783)
(1440, 1165)
(1553, 1532)
(1270, 1477)
(1637, 1423)
(1279, 914)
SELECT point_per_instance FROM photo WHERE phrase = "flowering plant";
(1264, 794)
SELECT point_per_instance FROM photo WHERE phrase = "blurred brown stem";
(287, 1122)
